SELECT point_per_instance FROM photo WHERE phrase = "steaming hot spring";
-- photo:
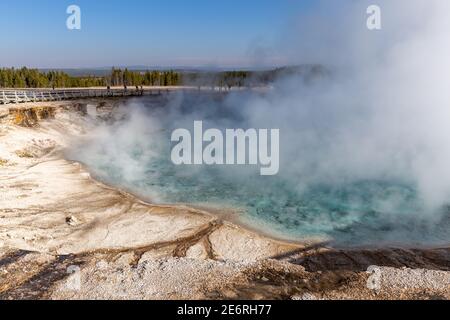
(340, 181)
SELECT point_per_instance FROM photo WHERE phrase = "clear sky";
(142, 32)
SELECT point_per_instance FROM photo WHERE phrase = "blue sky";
(143, 32)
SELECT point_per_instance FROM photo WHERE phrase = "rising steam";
(382, 113)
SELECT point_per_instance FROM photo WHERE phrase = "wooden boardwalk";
(40, 95)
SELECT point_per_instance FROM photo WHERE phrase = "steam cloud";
(382, 113)
(385, 111)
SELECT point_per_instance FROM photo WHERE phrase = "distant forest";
(34, 78)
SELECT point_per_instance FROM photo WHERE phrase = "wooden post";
(26, 97)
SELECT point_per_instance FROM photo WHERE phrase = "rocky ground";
(64, 235)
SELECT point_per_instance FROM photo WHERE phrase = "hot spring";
(324, 189)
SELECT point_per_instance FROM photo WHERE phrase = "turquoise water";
(345, 212)
(351, 214)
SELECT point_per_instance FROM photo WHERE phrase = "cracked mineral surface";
(64, 235)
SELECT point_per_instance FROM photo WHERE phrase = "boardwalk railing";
(35, 95)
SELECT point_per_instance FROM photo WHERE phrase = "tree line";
(34, 78)
(230, 79)
(140, 78)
